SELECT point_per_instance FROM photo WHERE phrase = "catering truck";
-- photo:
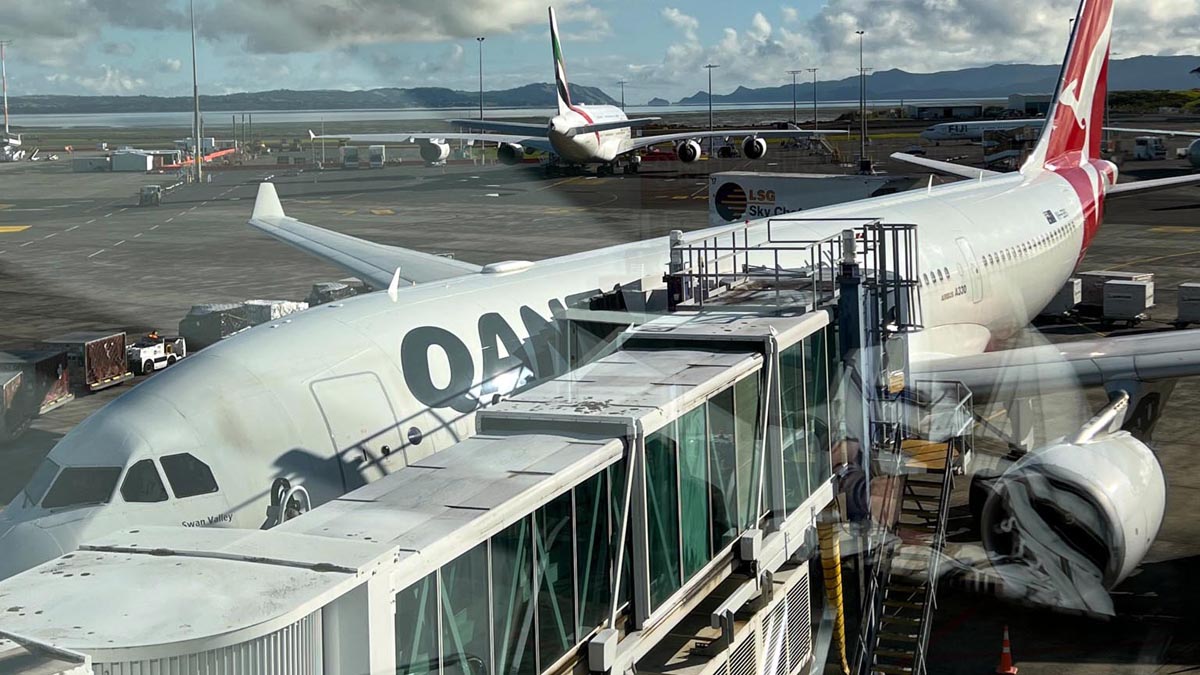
(735, 196)
(96, 359)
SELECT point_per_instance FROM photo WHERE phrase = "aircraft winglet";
(311, 135)
(267, 205)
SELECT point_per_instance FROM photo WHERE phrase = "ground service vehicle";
(96, 359)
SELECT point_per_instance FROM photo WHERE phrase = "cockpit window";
(142, 484)
(188, 476)
(41, 480)
(82, 485)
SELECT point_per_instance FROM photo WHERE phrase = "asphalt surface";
(76, 253)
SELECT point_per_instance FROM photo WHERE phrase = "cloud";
(111, 81)
(273, 27)
(790, 15)
(117, 48)
(688, 25)
(170, 66)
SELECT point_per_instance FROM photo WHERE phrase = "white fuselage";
(598, 147)
(974, 131)
(342, 394)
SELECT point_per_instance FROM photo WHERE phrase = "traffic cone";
(1006, 666)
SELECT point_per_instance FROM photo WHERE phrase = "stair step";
(905, 588)
(892, 670)
(909, 511)
(904, 604)
(904, 638)
(891, 618)
(895, 654)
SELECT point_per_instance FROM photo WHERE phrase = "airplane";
(1193, 151)
(577, 135)
(975, 131)
(341, 394)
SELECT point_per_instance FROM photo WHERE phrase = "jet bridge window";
(142, 484)
(188, 476)
(82, 485)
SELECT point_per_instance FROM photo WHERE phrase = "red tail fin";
(1076, 120)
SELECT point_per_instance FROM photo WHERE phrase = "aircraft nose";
(26, 545)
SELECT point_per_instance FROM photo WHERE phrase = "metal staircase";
(903, 593)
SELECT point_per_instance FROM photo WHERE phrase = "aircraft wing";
(1143, 358)
(943, 167)
(647, 141)
(502, 127)
(375, 264)
(1155, 132)
(537, 142)
(1139, 186)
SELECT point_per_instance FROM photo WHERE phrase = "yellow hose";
(831, 563)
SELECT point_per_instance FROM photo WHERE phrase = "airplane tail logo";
(560, 68)
(1075, 122)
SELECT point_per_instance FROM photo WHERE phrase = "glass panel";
(512, 598)
(749, 449)
(693, 490)
(188, 476)
(816, 389)
(556, 592)
(142, 483)
(79, 486)
(40, 481)
(723, 462)
(662, 516)
(466, 635)
(594, 551)
(795, 451)
(617, 500)
(416, 628)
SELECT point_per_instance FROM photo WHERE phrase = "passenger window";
(80, 486)
(188, 476)
(939, 275)
(142, 484)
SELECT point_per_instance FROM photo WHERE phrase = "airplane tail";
(560, 68)
(1075, 121)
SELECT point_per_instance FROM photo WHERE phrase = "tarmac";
(77, 253)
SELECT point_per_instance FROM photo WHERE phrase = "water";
(183, 120)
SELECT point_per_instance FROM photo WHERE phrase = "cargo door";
(362, 424)
(974, 273)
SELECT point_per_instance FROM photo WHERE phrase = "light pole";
(480, 41)
(814, 73)
(711, 141)
(863, 163)
(622, 83)
(198, 158)
(793, 73)
(4, 83)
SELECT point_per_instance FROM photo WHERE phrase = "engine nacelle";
(754, 147)
(510, 153)
(1077, 518)
(434, 151)
(1194, 154)
(688, 151)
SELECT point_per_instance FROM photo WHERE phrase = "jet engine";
(754, 147)
(1194, 154)
(434, 151)
(688, 151)
(510, 153)
(1071, 521)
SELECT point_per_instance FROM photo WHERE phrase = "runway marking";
(357, 194)
(203, 204)
(118, 243)
(700, 190)
(52, 234)
(1153, 259)
(154, 227)
(96, 253)
(169, 219)
(26, 244)
(73, 227)
(679, 196)
(1175, 229)
(10, 229)
(492, 194)
(107, 215)
(561, 182)
(183, 213)
(123, 210)
(90, 221)
(382, 212)
(191, 209)
(4, 206)
(3, 252)
(137, 235)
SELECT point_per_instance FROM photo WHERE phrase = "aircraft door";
(362, 425)
(974, 272)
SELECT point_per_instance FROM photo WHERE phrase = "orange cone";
(1006, 666)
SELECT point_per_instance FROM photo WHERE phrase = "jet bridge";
(654, 510)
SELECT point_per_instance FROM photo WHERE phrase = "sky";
(131, 47)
